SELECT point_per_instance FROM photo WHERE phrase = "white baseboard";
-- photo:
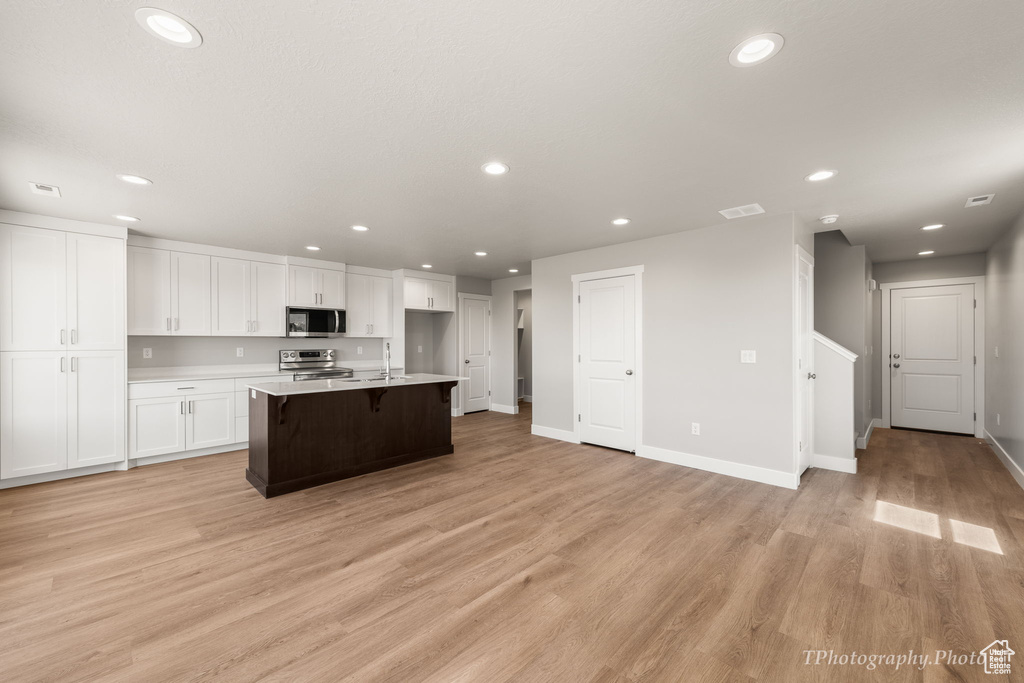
(551, 433)
(499, 408)
(457, 412)
(1015, 469)
(63, 474)
(862, 441)
(528, 399)
(185, 455)
(834, 462)
(763, 475)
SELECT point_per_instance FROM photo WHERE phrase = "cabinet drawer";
(241, 429)
(158, 389)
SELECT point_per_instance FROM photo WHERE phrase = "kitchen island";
(304, 434)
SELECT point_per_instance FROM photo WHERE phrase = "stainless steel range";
(313, 364)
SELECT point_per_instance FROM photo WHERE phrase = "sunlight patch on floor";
(911, 519)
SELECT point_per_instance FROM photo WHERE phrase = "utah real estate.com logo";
(996, 657)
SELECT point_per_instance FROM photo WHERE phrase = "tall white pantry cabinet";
(62, 349)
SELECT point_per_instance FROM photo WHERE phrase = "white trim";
(457, 412)
(1015, 470)
(979, 343)
(34, 220)
(835, 346)
(763, 475)
(62, 474)
(204, 249)
(461, 297)
(363, 270)
(426, 275)
(185, 455)
(499, 408)
(835, 463)
(638, 293)
(862, 441)
(527, 399)
(801, 254)
(552, 433)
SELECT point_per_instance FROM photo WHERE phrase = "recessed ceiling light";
(134, 179)
(312, 248)
(168, 27)
(360, 228)
(620, 221)
(820, 175)
(495, 168)
(426, 265)
(934, 227)
(480, 253)
(513, 270)
(130, 219)
(756, 50)
(925, 253)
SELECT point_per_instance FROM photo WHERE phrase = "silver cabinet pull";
(168, 324)
(176, 325)
(371, 328)
(185, 388)
(74, 365)
(74, 336)
(191, 407)
(62, 337)
(255, 326)
(182, 407)
(62, 360)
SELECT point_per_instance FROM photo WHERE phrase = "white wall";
(524, 302)
(1004, 318)
(419, 341)
(187, 351)
(503, 337)
(707, 294)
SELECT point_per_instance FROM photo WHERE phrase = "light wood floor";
(519, 559)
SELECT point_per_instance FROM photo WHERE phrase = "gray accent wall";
(931, 268)
(707, 294)
(1004, 327)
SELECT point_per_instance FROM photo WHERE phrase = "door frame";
(979, 343)
(462, 296)
(638, 294)
(801, 254)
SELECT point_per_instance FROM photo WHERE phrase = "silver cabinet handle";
(74, 365)
(182, 407)
(371, 328)
(191, 407)
(185, 388)
(74, 336)
(176, 324)
(168, 324)
(248, 326)
(62, 337)
(62, 360)
(254, 326)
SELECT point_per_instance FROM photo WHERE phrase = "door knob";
(629, 372)
(895, 355)
(811, 375)
(467, 361)
(896, 365)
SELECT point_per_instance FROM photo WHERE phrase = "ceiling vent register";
(742, 211)
(46, 190)
(980, 200)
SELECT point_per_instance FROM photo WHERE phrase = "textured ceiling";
(295, 120)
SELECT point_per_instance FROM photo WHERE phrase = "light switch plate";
(148, 353)
(419, 349)
(748, 356)
(695, 428)
(359, 350)
(997, 352)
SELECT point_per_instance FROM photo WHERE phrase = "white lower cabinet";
(95, 408)
(210, 421)
(175, 417)
(156, 426)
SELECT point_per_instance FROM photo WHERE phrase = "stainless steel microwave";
(315, 322)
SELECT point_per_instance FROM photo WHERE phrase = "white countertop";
(199, 372)
(317, 386)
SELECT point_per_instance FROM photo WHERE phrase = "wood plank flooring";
(516, 559)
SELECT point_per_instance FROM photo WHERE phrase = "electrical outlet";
(147, 353)
(419, 349)
(240, 352)
(748, 356)
(359, 350)
(695, 428)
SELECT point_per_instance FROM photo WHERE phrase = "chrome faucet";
(387, 361)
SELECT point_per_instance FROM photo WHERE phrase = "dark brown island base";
(304, 434)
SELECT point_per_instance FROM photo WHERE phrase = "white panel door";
(417, 293)
(268, 298)
(332, 289)
(229, 279)
(33, 413)
(441, 296)
(209, 420)
(303, 286)
(805, 362)
(156, 426)
(382, 300)
(33, 296)
(95, 292)
(476, 362)
(607, 345)
(932, 365)
(96, 408)
(358, 314)
(190, 294)
(149, 291)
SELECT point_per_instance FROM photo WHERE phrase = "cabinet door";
(190, 294)
(416, 293)
(332, 289)
(156, 426)
(209, 420)
(230, 286)
(358, 313)
(381, 305)
(149, 291)
(95, 292)
(33, 413)
(303, 286)
(269, 296)
(441, 296)
(96, 390)
(33, 296)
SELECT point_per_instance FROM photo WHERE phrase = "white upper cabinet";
(190, 294)
(429, 295)
(96, 419)
(34, 413)
(370, 303)
(33, 296)
(95, 293)
(149, 291)
(316, 287)
(231, 285)
(268, 298)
